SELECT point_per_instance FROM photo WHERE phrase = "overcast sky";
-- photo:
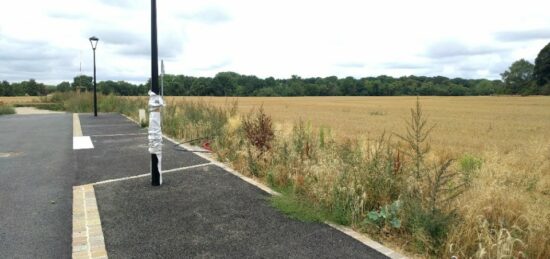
(48, 40)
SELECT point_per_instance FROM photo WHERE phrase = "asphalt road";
(207, 212)
(120, 150)
(36, 186)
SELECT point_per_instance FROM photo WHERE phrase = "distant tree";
(33, 88)
(201, 86)
(483, 87)
(542, 68)
(519, 77)
(458, 90)
(83, 81)
(17, 89)
(224, 83)
(107, 87)
(266, 91)
(63, 86)
(4, 88)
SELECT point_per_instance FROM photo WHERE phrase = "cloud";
(120, 3)
(404, 65)
(451, 49)
(208, 16)
(215, 66)
(117, 36)
(67, 15)
(512, 36)
(134, 44)
(350, 65)
(22, 60)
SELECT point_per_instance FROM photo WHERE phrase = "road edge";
(364, 239)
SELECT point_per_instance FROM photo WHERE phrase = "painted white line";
(82, 142)
(149, 174)
(116, 135)
(185, 168)
(108, 125)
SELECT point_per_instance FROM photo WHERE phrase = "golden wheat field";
(463, 124)
(18, 99)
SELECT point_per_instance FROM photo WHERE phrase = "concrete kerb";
(346, 230)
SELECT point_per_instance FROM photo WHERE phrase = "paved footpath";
(201, 210)
(36, 179)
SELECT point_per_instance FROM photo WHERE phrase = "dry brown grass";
(10, 100)
(506, 212)
(464, 124)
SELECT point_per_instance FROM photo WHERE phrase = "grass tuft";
(4, 110)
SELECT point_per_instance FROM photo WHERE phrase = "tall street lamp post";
(93, 42)
(155, 105)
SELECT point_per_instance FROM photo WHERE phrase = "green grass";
(294, 208)
(4, 109)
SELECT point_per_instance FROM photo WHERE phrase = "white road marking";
(149, 174)
(82, 142)
(117, 135)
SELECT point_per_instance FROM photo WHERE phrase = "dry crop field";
(18, 99)
(463, 124)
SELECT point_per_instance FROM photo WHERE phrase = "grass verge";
(4, 110)
(295, 208)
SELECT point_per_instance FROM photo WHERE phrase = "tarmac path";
(36, 179)
(201, 210)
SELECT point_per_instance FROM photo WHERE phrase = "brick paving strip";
(88, 240)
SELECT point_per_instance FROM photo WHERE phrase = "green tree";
(224, 84)
(519, 77)
(63, 86)
(83, 81)
(4, 88)
(484, 87)
(542, 67)
(33, 88)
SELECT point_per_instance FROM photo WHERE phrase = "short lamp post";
(93, 42)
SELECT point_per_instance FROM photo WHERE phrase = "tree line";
(522, 77)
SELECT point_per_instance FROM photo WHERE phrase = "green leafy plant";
(387, 215)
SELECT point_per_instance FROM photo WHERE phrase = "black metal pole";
(155, 173)
(95, 96)
(154, 49)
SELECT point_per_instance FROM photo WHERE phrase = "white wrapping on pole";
(155, 131)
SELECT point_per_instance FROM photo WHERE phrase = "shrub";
(258, 130)
(469, 163)
(4, 109)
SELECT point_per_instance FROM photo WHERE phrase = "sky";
(48, 40)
